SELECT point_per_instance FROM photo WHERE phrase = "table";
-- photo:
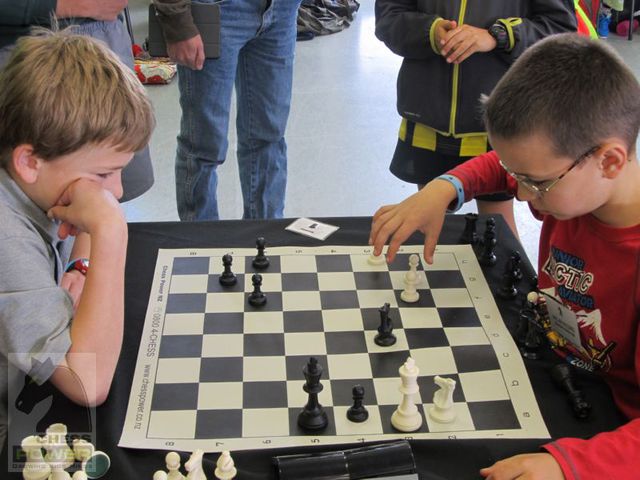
(436, 459)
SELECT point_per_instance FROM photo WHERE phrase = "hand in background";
(532, 466)
(189, 53)
(441, 29)
(97, 9)
(459, 43)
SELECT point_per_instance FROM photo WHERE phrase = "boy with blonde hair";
(564, 122)
(71, 116)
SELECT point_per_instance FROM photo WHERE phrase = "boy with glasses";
(568, 147)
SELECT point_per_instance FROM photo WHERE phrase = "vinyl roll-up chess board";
(214, 372)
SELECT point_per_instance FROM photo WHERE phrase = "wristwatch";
(79, 264)
(498, 32)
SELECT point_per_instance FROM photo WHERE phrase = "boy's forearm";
(81, 246)
(483, 175)
(97, 327)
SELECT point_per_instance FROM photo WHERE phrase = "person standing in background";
(257, 48)
(454, 52)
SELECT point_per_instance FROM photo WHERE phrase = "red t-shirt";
(593, 269)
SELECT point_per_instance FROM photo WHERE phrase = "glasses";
(544, 186)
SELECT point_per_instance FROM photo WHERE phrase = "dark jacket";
(17, 18)
(445, 96)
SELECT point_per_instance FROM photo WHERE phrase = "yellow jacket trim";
(432, 35)
(456, 73)
(424, 137)
(402, 133)
(508, 24)
(473, 146)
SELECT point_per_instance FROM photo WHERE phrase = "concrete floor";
(341, 133)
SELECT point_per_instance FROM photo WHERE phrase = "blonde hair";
(60, 91)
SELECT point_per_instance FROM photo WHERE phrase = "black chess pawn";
(385, 337)
(488, 256)
(357, 412)
(227, 278)
(312, 416)
(257, 298)
(469, 235)
(260, 261)
(562, 375)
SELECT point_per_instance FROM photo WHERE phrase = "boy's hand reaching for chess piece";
(530, 466)
(423, 211)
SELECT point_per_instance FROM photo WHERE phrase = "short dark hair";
(575, 90)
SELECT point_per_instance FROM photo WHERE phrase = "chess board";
(215, 373)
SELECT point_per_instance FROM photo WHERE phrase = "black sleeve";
(29, 12)
(546, 17)
(403, 29)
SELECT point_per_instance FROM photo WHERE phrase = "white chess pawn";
(160, 475)
(377, 259)
(173, 465)
(225, 468)
(407, 418)
(410, 293)
(82, 450)
(194, 466)
(442, 410)
(59, 455)
(35, 467)
(80, 475)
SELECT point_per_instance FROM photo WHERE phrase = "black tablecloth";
(446, 459)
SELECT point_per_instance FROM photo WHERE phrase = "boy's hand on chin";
(84, 207)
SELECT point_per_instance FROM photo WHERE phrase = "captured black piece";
(563, 376)
(527, 317)
(508, 288)
(514, 264)
(488, 256)
(532, 342)
(470, 236)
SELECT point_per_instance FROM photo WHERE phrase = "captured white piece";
(194, 466)
(225, 468)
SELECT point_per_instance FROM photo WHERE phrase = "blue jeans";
(257, 47)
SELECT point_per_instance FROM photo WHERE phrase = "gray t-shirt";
(35, 312)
